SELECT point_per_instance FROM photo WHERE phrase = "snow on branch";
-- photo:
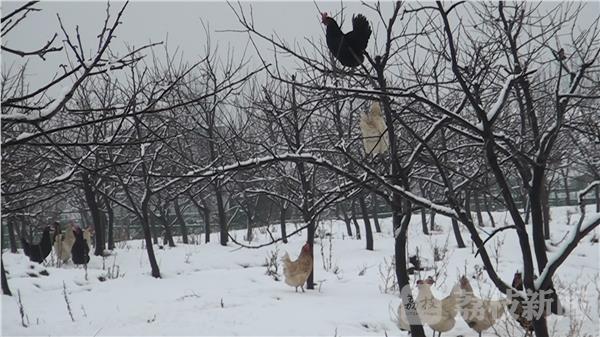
(586, 190)
(583, 227)
(208, 172)
(43, 114)
(503, 95)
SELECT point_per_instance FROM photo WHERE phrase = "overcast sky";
(182, 22)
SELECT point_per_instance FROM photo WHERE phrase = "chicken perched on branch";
(479, 314)
(348, 48)
(374, 131)
(438, 314)
(296, 272)
(39, 252)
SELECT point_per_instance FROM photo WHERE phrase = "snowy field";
(215, 290)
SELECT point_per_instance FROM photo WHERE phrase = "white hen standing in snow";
(438, 314)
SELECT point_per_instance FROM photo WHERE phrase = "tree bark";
(597, 192)
(527, 210)
(84, 218)
(90, 198)
(424, 221)
(180, 221)
(486, 204)
(111, 221)
(223, 233)
(148, 238)
(478, 210)
(11, 235)
(457, 235)
(366, 221)
(5, 288)
(206, 219)
(346, 218)
(152, 219)
(401, 221)
(282, 214)
(166, 224)
(546, 209)
(356, 226)
(565, 175)
(374, 210)
(205, 210)
(368, 230)
(249, 227)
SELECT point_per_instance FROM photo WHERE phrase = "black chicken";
(348, 48)
(80, 250)
(38, 252)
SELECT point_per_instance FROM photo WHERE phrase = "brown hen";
(296, 272)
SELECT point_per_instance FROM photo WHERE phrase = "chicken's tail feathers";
(286, 258)
(362, 30)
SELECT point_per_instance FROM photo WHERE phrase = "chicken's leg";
(302, 287)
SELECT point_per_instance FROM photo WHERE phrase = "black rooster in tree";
(348, 48)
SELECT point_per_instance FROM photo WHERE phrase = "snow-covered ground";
(208, 289)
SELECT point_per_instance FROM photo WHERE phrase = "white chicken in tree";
(374, 130)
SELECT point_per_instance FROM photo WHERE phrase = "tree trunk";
(346, 218)
(424, 221)
(11, 235)
(546, 209)
(478, 209)
(205, 218)
(527, 210)
(597, 192)
(566, 183)
(356, 226)
(128, 229)
(486, 204)
(539, 216)
(103, 220)
(152, 219)
(249, 227)
(5, 288)
(180, 221)
(540, 327)
(205, 214)
(310, 234)
(223, 233)
(366, 221)
(468, 204)
(90, 198)
(432, 221)
(164, 219)
(401, 221)
(283, 211)
(375, 210)
(457, 235)
(111, 222)
(144, 220)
